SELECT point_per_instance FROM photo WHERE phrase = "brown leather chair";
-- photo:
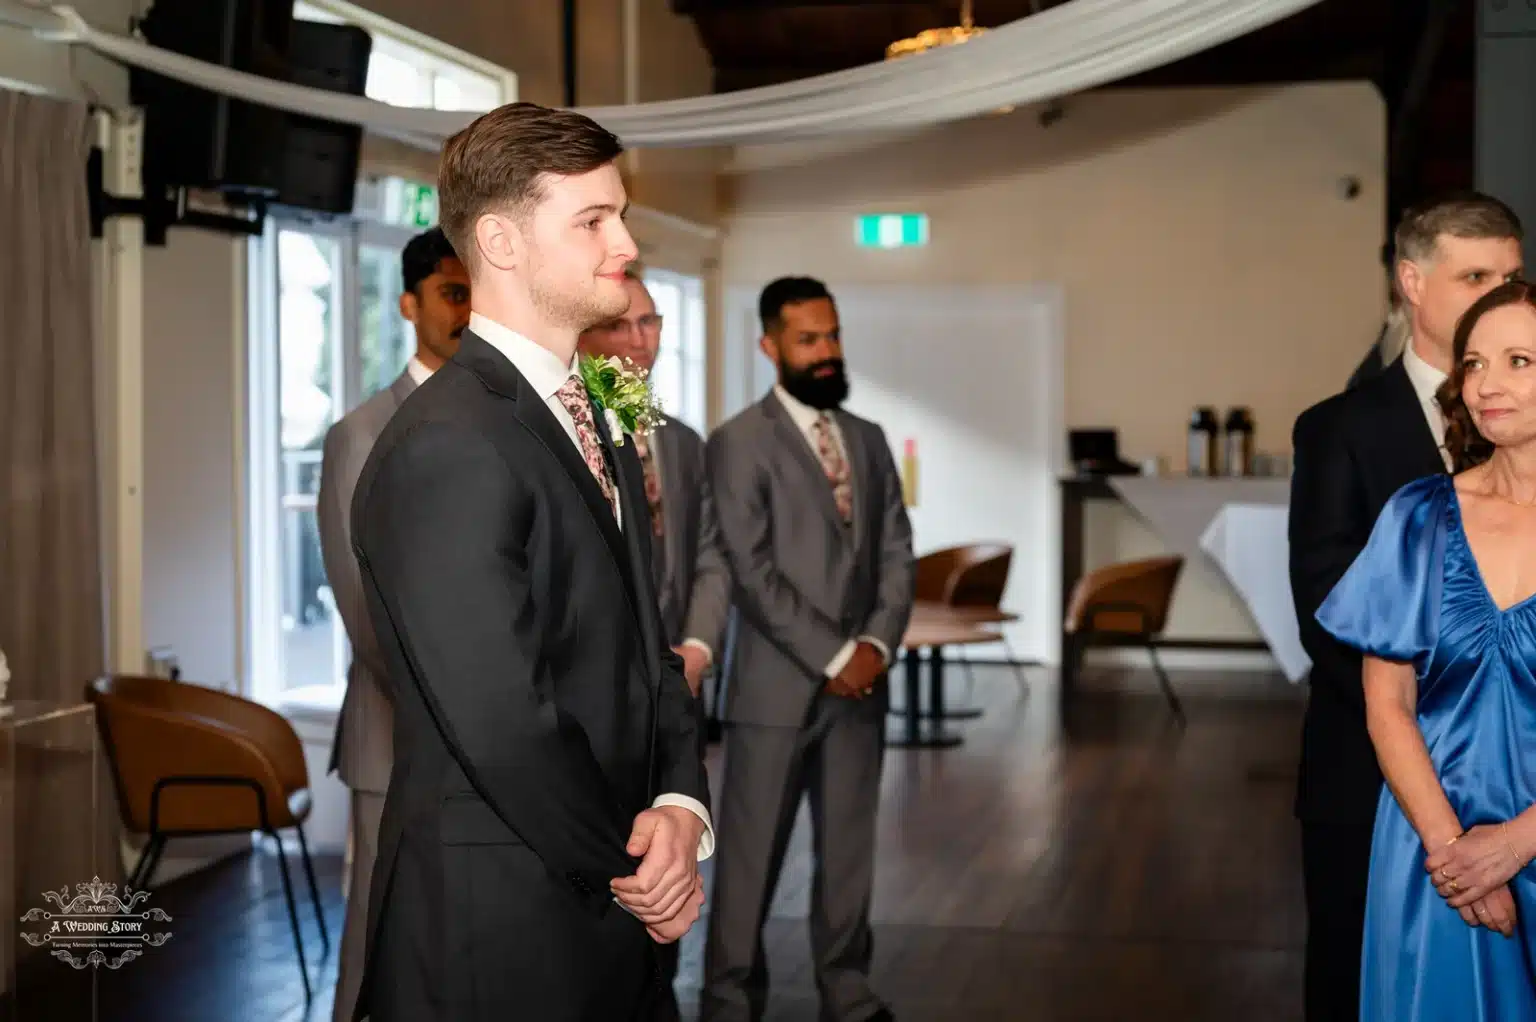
(973, 575)
(188, 760)
(1122, 604)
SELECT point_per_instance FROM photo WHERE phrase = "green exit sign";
(891, 230)
(409, 203)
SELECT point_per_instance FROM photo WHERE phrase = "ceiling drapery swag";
(1064, 49)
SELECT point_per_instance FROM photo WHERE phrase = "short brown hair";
(1460, 215)
(1466, 445)
(499, 161)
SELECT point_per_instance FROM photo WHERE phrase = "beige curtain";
(51, 621)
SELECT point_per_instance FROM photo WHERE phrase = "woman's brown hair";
(1466, 445)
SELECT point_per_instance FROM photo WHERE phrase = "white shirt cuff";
(841, 660)
(846, 654)
(709, 654)
(694, 806)
(885, 654)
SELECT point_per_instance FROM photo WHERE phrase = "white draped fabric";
(1075, 46)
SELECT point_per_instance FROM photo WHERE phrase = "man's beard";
(575, 310)
(823, 393)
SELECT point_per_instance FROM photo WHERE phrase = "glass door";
(312, 287)
(326, 335)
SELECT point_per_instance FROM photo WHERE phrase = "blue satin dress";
(1415, 595)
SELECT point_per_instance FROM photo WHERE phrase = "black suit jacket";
(538, 710)
(1352, 452)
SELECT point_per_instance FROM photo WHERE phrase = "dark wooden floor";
(1127, 871)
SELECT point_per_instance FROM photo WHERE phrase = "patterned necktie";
(652, 485)
(834, 465)
(573, 394)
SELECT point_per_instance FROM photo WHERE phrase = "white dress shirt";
(804, 417)
(1426, 379)
(544, 372)
(417, 371)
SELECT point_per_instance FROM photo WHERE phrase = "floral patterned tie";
(652, 484)
(835, 465)
(573, 395)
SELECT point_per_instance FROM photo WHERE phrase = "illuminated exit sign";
(891, 230)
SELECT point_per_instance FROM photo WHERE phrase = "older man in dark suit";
(435, 300)
(692, 584)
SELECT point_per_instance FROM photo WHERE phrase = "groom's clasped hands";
(1472, 873)
(665, 892)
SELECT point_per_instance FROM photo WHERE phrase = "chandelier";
(933, 38)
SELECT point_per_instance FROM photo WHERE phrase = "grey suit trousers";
(835, 760)
(367, 808)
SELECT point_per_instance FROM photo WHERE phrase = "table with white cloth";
(1238, 524)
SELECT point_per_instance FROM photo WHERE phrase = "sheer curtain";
(50, 573)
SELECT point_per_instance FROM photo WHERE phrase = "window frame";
(381, 27)
(265, 574)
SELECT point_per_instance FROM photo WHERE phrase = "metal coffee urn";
(1203, 430)
(1238, 456)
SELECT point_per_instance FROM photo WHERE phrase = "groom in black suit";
(1353, 451)
(548, 802)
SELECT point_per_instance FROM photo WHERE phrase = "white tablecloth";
(1248, 542)
(1240, 525)
(1179, 509)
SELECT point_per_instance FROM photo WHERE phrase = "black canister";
(1238, 456)
(1203, 430)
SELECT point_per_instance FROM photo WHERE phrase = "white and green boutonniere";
(621, 390)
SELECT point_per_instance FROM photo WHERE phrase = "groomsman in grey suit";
(820, 552)
(692, 584)
(435, 300)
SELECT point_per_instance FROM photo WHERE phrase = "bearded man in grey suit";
(692, 584)
(820, 553)
(435, 300)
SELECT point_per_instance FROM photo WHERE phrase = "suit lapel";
(478, 356)
(1422, 456)
(673, 503)
(636, 516)
(800, 447)
(402, 387)
(858, 472)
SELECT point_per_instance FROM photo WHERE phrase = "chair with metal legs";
(193, 761)
(1122, 604)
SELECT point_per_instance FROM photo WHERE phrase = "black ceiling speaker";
(199, 139)
(319, 170)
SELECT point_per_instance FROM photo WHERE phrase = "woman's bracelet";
(1504, 832)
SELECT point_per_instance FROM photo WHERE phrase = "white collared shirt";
(546, 375)
(417, 371)
(805, 418)
(1426, 379)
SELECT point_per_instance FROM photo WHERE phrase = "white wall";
(1204, 252)
(194, 347)
(973, 376)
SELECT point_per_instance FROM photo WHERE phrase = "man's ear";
(769, 347)
(500, 241)
(410, 306)
(1410, 281)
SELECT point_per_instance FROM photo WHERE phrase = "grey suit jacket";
(803, 583)
(363, 750)
(693, 586)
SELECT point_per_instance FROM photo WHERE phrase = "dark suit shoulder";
(682, 434)
(750, 419)
(1358, 407)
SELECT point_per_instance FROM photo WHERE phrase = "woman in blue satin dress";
(1442, 601)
